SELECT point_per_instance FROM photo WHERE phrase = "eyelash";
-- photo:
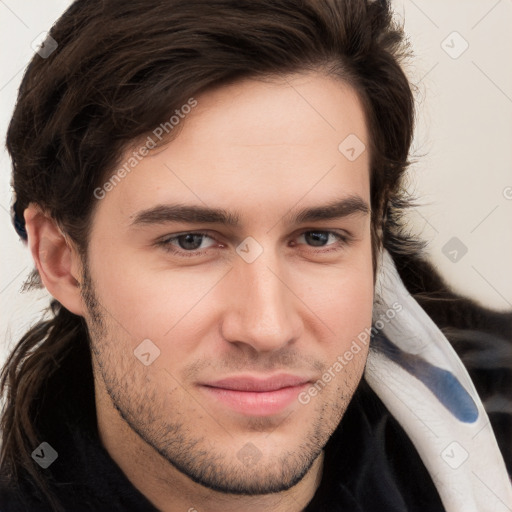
(343, 241)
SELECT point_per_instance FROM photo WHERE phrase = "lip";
(257, 396)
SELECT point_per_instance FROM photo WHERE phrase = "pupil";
(316, 236)
(190, 241)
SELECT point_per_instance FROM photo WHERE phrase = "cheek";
(147, 302)
(345, 305)
(348, 310)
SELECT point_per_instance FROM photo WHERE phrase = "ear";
(57, 260)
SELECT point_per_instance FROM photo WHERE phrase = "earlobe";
(56, 259)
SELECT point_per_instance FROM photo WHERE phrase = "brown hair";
(121, 68)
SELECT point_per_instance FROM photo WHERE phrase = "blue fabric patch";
(442, 383)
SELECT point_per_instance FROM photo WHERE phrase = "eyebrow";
(195, 214)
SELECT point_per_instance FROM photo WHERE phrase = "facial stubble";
(141, 399)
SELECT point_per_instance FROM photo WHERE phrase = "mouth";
(257, 396)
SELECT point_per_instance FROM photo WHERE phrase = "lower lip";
(263, 403)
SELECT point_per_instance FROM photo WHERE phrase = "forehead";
(255, 144)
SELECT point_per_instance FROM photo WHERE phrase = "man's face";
(244, 318)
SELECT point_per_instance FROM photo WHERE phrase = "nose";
(261, 310)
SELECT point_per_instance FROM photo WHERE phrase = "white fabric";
(462, 457)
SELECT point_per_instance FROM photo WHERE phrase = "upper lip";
(258, 384)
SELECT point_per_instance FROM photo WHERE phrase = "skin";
(263, 150)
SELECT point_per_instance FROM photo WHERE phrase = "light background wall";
(463, 171)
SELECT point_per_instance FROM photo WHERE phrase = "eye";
(320, 239)
(186, 243)
(317, 238)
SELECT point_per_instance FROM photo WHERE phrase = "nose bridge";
(262, 312)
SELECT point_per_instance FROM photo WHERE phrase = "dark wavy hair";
(121, 68)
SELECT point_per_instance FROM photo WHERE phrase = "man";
(211, 192)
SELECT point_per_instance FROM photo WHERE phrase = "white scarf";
(417, 374)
